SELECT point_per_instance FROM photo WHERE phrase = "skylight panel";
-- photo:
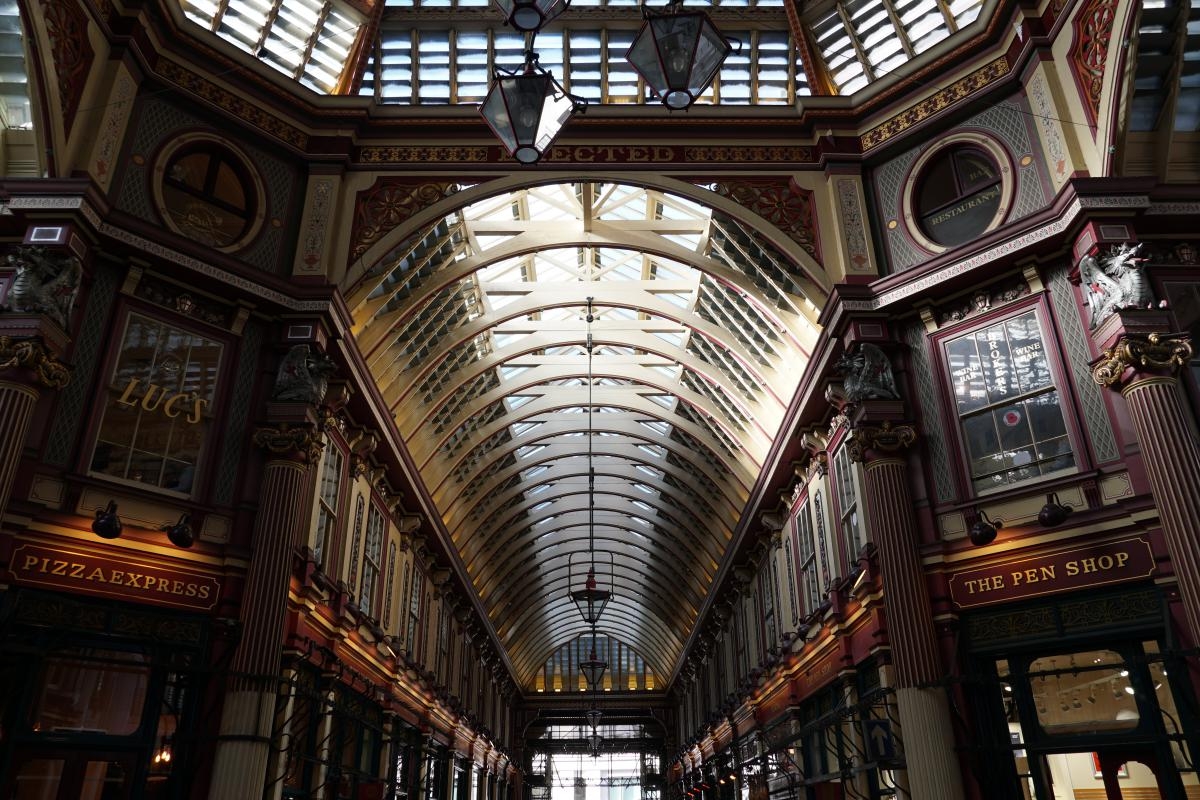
(672, 338)
(734, 77)
(530, 450)
(515, 401)
(644, 506)
(623, 80)
(472, 75)
(658, 426)
(653, 450)
(587, 67)
(508, 373)
(433, 71)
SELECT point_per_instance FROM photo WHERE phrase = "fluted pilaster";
(1144, 369)
(933, 771)
(26, 365)
(243, 751)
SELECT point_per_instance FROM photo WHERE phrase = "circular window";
(958, 195)
(207, 192)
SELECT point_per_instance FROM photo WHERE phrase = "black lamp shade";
(593, 670)
(591, 600)
(526, 112)
(678, 54)
(593, 717)
(530, 15)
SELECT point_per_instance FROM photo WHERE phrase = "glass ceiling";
(433, 52)
(475, 331)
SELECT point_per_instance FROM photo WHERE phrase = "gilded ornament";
(32, 355)
(1163, 352)
(886, 438)
(288, 440)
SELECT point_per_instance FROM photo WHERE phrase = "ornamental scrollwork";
(885, 438)
(31, 354)
(296, 441)
(1156, 352)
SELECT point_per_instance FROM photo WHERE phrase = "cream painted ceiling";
(475, 329)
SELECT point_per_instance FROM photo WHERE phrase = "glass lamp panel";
(495, 112)
(711, 50)
(643, 55)
(676, 36)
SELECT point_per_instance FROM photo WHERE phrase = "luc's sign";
(1066, 570)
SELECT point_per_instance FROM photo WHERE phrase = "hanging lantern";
(591, 600)
(678, 54)
(526, 110)
(593, 669)
(593, 717)
(531, 15)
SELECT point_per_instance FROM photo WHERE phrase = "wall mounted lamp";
(180, 533)
(983, 530)
(1053, 513)
(107, 525)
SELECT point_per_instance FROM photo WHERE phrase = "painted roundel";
(209, 192)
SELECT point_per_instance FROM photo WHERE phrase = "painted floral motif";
(389, 203)
(1089, 51)
(781, 202)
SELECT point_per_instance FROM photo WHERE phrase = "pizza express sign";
(114, 576)
(1080, 568)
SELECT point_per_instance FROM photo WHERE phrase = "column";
(1144, 368)
(25, 365)
(244, 743)
(933, 770)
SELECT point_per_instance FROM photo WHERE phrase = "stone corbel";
(871, 440)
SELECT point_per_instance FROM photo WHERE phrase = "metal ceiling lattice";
(474, 330)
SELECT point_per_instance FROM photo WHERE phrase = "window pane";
(92, 691)
(159, 407)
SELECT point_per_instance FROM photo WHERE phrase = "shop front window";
(1081, 720)
(160, 400)
(92, 691)
(1009, 409)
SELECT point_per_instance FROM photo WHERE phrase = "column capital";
(31, 353)
(302, 442)
(1134, 355)
(868, 442)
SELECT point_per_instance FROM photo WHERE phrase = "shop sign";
(1095, 565)
(113, 576)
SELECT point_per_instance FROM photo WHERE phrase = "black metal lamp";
(593, 716)
(527, 108)
(678, 53)
(1053, 513)
(180, 533)
(593, 668)
(983, 530)
(107, 525)
(531, 15)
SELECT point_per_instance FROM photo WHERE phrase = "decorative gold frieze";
(885, 438)
(1155, 352)
(31, 354)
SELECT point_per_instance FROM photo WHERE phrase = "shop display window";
(92, 691)
(1009, 407)
(1107, 713)
(160, 400)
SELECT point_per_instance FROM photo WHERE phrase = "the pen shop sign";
(1067, 570)
(113, 576)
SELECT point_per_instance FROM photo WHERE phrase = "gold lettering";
(97, 575)
(198, 406)
(59, 568)
(177, 587)
(1122, 557)
(662, 153)
(30, 561)
(117, 577)
(77, 570)
(1072, 568)
(148, 399)
(45, 565)
(189, 590)
(169, 409)
(204, 592)
(125, 398)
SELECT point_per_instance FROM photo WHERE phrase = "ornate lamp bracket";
(1155, 353)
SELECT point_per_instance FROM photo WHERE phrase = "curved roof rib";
(475, 331)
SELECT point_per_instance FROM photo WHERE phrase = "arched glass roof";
(474, 328)
(445, 52)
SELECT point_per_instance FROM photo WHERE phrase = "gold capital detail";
(301, 442)
(31, 354)
(1156, 353)
(885, 438)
